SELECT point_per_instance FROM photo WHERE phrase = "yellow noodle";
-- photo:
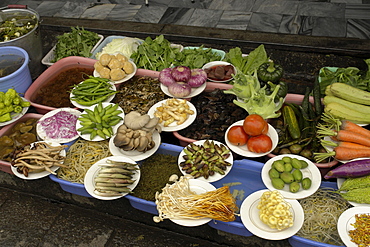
(80, 157)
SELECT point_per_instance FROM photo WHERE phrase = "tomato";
(237, 135)
(259, 144)
(255, 125)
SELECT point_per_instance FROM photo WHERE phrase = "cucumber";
(344, 112)
(346, 103)
(350, 93)
(291, 121)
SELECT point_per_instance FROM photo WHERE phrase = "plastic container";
(52, 72)
(150, 206)
(73, 188)
(4, 165)
(21, 79)
(50, 55)
(247, 173)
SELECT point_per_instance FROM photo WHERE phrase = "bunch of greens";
(254, 98)
(247, 64)
(78, 42)
(350, 75)
(196, 57)
(155, 54)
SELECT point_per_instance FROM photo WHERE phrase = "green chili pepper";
(5, 117)
(270, 71)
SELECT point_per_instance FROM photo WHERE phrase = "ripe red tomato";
(237, 135)
(259, 144)
(255, 125)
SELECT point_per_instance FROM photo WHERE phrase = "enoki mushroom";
(177, 201)
(40, 157)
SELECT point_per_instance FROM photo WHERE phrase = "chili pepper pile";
(92, 91)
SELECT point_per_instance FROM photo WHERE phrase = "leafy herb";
(247, 64)
(78, 42)
(195, 58)
(155, 54)
(350, 75)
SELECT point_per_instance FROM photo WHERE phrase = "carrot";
(343, 153)
(348, 125)
(350, 136)
(344, 144)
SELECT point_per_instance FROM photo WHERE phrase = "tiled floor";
(331, 18)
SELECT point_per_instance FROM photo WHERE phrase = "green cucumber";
(291, 121)
(357, 107)
(350, 93)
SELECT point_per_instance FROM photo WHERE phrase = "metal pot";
(31, 41)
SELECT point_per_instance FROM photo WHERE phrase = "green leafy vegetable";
(195, 58)
(78, 42)
(155, 54)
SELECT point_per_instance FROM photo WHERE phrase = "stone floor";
(330, 18)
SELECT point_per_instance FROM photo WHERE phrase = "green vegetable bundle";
(78, 42)
(195, 58)
(10, 103)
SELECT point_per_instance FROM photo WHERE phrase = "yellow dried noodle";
(80, 157)
(177, 201)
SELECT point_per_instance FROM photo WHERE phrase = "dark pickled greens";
(17, 26)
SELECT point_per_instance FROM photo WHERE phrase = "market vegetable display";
(274, 211)
(92, 91)
(321, 226)
(37, 157)
(80, 156)
(205, 160)
(177, 201)
(114, 178)
(78, 42)
(11, 104)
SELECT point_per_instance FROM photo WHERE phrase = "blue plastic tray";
(74, 188)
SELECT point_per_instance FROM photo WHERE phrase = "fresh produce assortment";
(92, 91)
(11, 105)
(311, 128)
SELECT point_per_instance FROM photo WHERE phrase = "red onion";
(181, 73)
(165, 77)
(198, 78)
(61, 125)
(179, 89)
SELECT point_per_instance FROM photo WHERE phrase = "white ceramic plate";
(340, 181)
(199, 187)
(37, 175)
(94, 170)
(311, 171)
(109, 99)
(41, 133)
(15, 116)
(194, 91)
(344, 223)
(98, 138)
(134, 154)
(243, 150)
(174, 126)
(249, 214)
(217, 176)
(128, 77)
(215, 63)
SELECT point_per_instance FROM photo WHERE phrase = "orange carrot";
(352, 145)
(348, 125)
(350, 136)
(342, 153)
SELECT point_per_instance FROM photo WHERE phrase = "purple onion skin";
(197, 78)
(165, 77)
(179, 89)
(181, 73)
(355, 168)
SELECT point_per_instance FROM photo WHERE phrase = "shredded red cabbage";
(61, 125)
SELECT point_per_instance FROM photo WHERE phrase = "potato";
(117, 74)
(105, 59)
(128, 67)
